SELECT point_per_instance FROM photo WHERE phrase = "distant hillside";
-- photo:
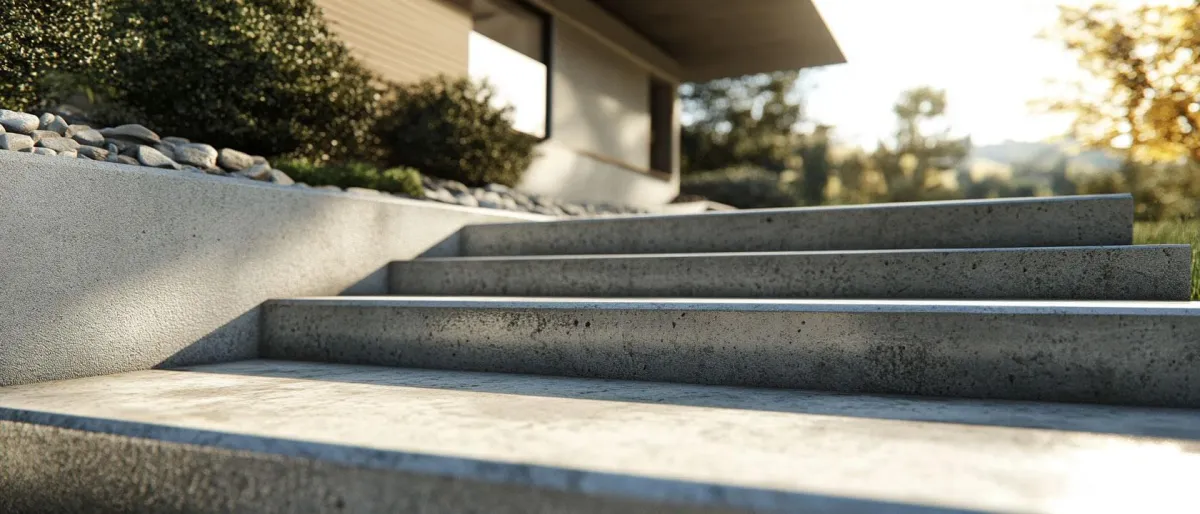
(1042, 156)
(1019, 160)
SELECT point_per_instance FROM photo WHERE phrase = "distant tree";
(852, 170)
(747, 120)
(919, 151)
(988, 187)
(855, 172)
(1148, 59)
(816, 165)
(1060, 180)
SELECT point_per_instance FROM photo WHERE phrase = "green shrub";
(354, 174)
(447, 128)
(40, 42)
(745, 188)
(264, 76)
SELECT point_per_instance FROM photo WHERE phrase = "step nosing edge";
(571, 480)
(978, 307)
(808, 253)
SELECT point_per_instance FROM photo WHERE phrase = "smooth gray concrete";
(1083, 273)
(1132, 353)
(107, 267)
(1006, 223)
(288, 437)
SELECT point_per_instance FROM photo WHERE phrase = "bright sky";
(983, 52)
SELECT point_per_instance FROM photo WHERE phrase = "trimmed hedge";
(405, 181)
(744, 188)
(447, 128)
(264, 76)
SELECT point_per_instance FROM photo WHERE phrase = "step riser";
(1108, 273)
(1064, 221)
(1146, 359)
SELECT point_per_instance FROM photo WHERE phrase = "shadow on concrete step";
(226, 343)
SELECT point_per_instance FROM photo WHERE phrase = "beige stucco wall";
(600, 113)
(601, 100)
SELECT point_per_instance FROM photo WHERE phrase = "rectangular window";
(509, 47)
(662, 125)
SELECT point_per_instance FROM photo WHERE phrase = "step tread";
(1144, 272)
(1051, 221)
(717, 446)
(882, 206)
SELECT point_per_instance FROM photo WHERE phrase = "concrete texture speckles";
(86, 471)
(1092, 273)
(1098, 220)
(263, 436)
(1092, 352)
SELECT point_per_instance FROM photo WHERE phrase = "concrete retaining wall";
(106, 268)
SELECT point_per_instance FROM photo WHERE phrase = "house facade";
(596, 80)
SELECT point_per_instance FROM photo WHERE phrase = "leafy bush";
(264, 76)
(448, 128)
(355, 174)
(745, 188)
(41, 41)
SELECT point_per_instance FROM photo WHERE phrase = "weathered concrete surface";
(1077, 273)
(1132, 353)
(107, 268)
(287, 437)
(1006, 223)
(56, 470)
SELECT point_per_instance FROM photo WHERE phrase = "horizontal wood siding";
(403, 40)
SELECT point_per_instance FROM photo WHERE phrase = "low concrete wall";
(563, 173)
(106, 268)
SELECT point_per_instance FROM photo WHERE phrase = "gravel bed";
(52, 135)
(496, 196)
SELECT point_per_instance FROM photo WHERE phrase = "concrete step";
(262, 436)
(1006, 223)
(1160, 272)
(1132, 353)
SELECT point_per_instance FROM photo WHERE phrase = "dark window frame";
(662, 124)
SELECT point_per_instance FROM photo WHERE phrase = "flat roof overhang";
(713, 39)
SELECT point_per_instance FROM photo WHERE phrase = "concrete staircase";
(979, 356)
